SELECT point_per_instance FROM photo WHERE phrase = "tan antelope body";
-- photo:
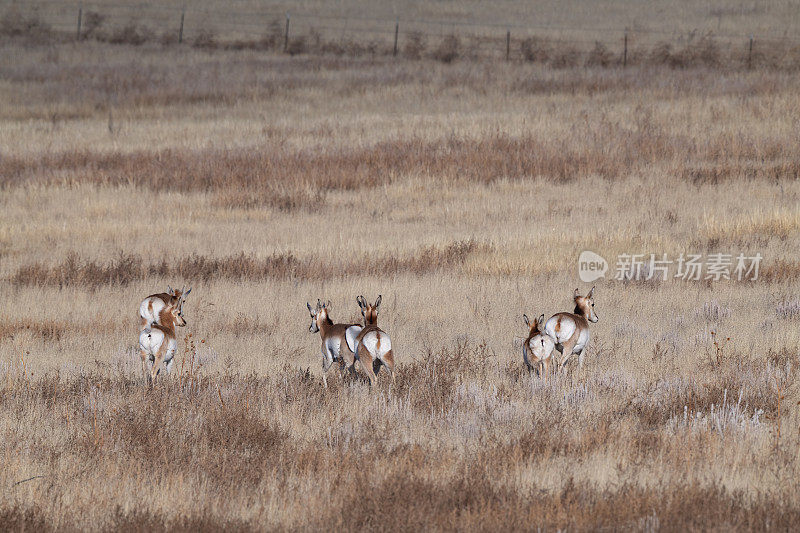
(338, 340)
(570, 331)
(373, 345)
(158, 342)
(151, 307)
(537, 350)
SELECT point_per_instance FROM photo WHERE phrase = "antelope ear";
(361, 301)
(527, 321)
(185, 294)
(169, 291)
(540, 322)
(577, 294)
(309, 308)
(591, 293)
(327, 304)
(378, 302)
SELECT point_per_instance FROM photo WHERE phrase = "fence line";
(483, 39)
(389, 23)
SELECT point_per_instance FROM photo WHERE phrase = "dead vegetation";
(462, 192)
(128, 268)
(224, 438)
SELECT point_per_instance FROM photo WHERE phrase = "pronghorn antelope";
(570, 331)
(338, 340)
(158, 342)
(538, 347)
(373, 345)
(151, 307)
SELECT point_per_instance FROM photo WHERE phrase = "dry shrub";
(535, 50)
(429, 259)
(434, 378)
(14, 23)
(281, 199)
(271, 173)
(92, 24)
(73, 271)
(127, 268)
(273, 38)
(564, 56)
(780, 270)
(297, 45)
(137, 520)
(471, 500)
(205, 38)
(334, 47)
(247, 447)
(661, 54)
(449, 49)
(131, 33)
(600, 56)
(225, 436)
(716, 173)
(732, 385)
(701, 52)
(242, 266)
(17, 518)
(414, 46)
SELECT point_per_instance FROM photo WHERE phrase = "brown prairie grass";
(463, 193)
(127, 268)
(233, 436)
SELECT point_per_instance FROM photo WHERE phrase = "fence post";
(180, 32)
(750, 54)
(625, 52)
(286, 35)
(396, 32)
(80, 16)
(508, 45)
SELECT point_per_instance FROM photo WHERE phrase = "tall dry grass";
(463, 194)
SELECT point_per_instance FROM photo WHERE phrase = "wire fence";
(246, 26)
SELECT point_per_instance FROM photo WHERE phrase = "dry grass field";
(461, 192)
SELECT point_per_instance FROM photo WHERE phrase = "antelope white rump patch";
(350, 335)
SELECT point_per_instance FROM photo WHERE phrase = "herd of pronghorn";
(367, 344)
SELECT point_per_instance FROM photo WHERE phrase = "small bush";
(448, 50)
(535, 50)
(564, 57)
(15, 24)
(297, 45)
(600, 56)
(131, 33)
(92, 23)
(273, 38)
(415, 46)
(205, 39)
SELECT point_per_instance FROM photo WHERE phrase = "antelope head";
(319, 315)
(584, 305)
(173, 316)
(369, 312)
(536, 327)
(179, 296)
